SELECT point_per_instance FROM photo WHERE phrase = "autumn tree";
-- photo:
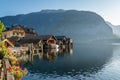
(2, 28)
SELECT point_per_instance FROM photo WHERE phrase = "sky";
(108, 9)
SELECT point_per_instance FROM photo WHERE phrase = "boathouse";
(49, 41)
(61, 41)
(69, 42)
(33, 43)
(8, 44)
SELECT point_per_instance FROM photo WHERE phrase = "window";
(21, 34)
(17, 33)
(13, 33)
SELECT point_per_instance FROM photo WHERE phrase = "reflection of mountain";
(86, 59)
(79, 25)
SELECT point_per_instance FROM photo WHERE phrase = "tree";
(2, 28)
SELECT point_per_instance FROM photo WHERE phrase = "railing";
(7, 74)
(19, 49)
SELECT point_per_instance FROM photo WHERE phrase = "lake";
(83, 62)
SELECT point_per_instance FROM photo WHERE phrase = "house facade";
(18, 31)
(33, 43)
(49, 41)
(8, 44)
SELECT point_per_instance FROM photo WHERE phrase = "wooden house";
(49, 41)
(61, 41)
(8, 44)
(69, 42)
(14, 31)
(30, 32)
(34, 44)
(19, 31)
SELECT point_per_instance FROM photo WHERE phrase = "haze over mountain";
(82, 26)
(115, 28)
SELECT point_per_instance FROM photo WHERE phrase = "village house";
(61, 41)
(33, 43)
(69, 42)
(18, 31)
(49, 41)
(8, 44)
(27, 38)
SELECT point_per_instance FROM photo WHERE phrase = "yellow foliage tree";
(2, 28)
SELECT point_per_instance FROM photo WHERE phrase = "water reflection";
(47, 54)
(86, 60)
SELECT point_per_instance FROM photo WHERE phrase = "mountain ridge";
(79, 25)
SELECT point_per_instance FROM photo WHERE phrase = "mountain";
(116, 29)
(82, 26)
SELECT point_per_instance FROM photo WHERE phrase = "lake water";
(84, 62)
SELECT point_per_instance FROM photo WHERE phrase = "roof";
(30, 39)
(30, 31)
(46, 37)
(13, 38)
(6, 29)
(34, 39)
(27, 30)
(60, 37)
(6, 40)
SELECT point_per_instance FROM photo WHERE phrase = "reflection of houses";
(47, 54)
(18, 31)
(50, 54)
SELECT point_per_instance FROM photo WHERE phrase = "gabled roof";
(13, 27)
(60, 37)
(7, 29)
(30, 30)
(13, 38)
(34, 39)
(30, 39)
(6, 40)
(27, 30)
(46, 37)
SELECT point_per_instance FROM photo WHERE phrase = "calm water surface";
(84, 62)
